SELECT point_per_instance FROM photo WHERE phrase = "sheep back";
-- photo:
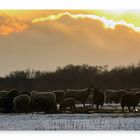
(59, 95)
(21, 103)
(79, 95)
(3, 93)
(129, 100)
(43, 101)
(68, 102)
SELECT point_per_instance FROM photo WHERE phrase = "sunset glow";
(20, 16)
(46, 39)
(107, 23)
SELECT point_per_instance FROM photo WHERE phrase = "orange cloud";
(51, 42)
(10, 25)
(13, 25)
(107, 23)
(89, 28)
(87, 39)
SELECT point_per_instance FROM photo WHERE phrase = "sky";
(47, 39)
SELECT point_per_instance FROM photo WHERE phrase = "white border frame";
(70, 4)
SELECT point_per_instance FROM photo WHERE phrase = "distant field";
(92, 121)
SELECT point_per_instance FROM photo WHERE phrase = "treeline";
(73, 76)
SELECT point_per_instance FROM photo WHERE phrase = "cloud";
(10, 25)
(89, 29)
(107, 23)
(49, 42)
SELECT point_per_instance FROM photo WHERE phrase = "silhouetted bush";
(73, 76)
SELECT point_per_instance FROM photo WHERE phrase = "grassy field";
(110, 118)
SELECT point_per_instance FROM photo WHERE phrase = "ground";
(104, 120)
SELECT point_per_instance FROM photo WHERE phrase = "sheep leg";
(123, 109)
(92, 104)
(129, 108)
(97, 107)
(101, 107)
(134, 109)
(84, 105)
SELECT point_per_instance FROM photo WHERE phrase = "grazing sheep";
(12, 93)
(44, 105)
(114, 95)
(120, 93)
(98, 98)
(32, 93)
(79, 95)
(138, 93)
(130, 100)
(68, 102)
(109, 95)
(59, 95)
(46, 99)
(6, 102)
(3, 104)
(3, 93)
(21, 103)
(135, 89)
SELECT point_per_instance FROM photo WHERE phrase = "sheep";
(68, 102)
(135, 89)
(3, 93)
(110, 95)
(12, 93)
(46, 99)
(138, 92)
(32, 93)
(119, 95)
(3, 104)
(79, 95)
(130, 100)
(114, 95)
(21, 103)
(44, 105)
(98, 98)
(6, 102)
(59, 95)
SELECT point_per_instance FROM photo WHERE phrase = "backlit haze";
(46, 39)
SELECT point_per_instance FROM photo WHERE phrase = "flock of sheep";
(50, 102)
